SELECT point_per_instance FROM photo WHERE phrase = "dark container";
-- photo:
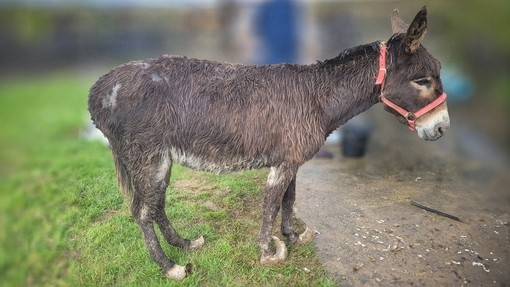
(354, 140)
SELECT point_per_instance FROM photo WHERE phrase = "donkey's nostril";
(440, 130)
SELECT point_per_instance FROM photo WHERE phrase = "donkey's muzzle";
(432, 126)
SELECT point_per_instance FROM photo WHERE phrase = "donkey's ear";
(416, 31)
(397, 24)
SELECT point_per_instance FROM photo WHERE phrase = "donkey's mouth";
(435, 131)
(430, 137)
(432, 134)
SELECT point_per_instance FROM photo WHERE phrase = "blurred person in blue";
(277, 26)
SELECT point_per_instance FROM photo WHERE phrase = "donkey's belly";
(219, 163)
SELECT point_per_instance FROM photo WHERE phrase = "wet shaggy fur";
(226, 117)
(222, 117)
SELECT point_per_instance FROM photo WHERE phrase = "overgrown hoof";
(178, 272)
(305, 237)
(278, 257)
(195, 244)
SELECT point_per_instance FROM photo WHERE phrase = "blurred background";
(471, 39)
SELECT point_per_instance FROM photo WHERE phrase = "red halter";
(409, 116)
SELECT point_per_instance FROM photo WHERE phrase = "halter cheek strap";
(381, 75)
(379, 87)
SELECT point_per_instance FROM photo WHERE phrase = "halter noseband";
(379, 87)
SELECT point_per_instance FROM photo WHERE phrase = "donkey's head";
(412, 89)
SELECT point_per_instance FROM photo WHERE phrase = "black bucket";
(354, 140)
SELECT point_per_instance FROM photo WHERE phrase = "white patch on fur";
(174, 56)
(142, 64)
(427, 129)
(144, 212)
(197, 162)
(163, 167)
(182, 158)
(111, 99)
(155, 77)
(274, 177)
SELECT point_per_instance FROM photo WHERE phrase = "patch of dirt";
(371, 235)
(195, 186)
(211, 206)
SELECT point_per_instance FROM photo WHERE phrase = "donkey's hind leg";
(169, 233)
(287, 208)
(161, 179)
(171, 236)
(150, 181)
(144, 213)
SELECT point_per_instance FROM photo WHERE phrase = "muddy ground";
(369, 233)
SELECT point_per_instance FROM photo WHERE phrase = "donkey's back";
(208, 115)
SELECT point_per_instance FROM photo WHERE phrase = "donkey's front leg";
(287, 211)
(277, 183)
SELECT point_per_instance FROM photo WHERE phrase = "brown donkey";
(222, 117)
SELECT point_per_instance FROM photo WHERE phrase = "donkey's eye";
(422, 81)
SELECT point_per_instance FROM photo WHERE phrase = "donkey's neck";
(352, 78)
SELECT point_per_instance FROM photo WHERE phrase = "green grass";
(63, 221)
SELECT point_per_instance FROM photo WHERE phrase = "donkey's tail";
(124, 179)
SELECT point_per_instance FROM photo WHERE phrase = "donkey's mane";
(350, 54)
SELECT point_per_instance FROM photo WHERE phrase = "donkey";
(222, 117)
